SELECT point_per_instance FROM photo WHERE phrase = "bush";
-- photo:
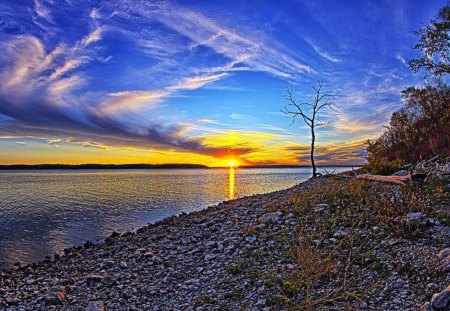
(382, 166)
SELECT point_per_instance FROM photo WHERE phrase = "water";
(43, 212)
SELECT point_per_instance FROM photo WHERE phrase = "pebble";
(320, 207)
(270, 217)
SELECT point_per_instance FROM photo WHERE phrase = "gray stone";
(320, 207)
(414, 218)
(270, 217)
(446, 264)
(95, 306)
(340, 233)
(55, 296)
(426, 307)
(443, 254)
(441, 300)
(401, 173)
(209, 257)
(250, 239)
(261, 302)
(93, 278)
(108, 280)
(123, 265)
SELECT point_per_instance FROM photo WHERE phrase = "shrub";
(382, 166)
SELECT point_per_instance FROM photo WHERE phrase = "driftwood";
(399, 180)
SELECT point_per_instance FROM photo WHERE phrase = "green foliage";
(434, 43)
(382, 166)
(421, 128)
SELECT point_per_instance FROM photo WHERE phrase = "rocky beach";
(333, 243)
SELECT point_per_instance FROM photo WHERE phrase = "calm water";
(43, 212)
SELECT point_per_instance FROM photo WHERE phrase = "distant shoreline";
(142, 166)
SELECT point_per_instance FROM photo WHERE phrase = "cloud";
(42, 11)
(401, 59)
(236, 116)
(95, 14)
(257, 55)
(21, 143)
(192, 83)
(130, 100)
(348, 152)
(91, 144)
(326, 55)
(54, 141)
(36, 91)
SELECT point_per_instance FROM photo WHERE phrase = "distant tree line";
(98, 166)
(421, 128)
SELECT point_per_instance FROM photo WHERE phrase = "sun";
(232, 164)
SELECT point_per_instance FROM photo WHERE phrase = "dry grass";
(336, 273)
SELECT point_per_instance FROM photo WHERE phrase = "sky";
(200, 81)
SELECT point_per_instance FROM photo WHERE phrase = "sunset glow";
(198, 82)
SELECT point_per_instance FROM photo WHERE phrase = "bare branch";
(313, 120)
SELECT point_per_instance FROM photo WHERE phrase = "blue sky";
(198, 81)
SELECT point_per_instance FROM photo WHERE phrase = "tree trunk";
(313, 139)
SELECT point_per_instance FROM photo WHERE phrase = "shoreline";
(239, 253)
(39, 167)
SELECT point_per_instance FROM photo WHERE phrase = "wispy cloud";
(349, 152)
(42, 10)
(54, 141)
(326, 55)
(257, 55)
(34, 81)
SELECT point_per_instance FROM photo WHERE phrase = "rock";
(261, 302)
(320, 207)
(270, 217)
(12, 301)
(443, 254)
(127, 293)
(401, 173)
(426, 307)
(414, 218)
(123, 265)
(108, 280)
(92, 279)
(250, 239)
(340, 233)
(441, 300)
(95, 306)
(55, 297)
(209, 257)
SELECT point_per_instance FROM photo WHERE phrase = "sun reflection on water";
(232, 182)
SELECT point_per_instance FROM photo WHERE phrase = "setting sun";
(231, 164)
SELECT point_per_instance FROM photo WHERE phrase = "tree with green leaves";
(434, 43)
(310, 113)
(421, 128)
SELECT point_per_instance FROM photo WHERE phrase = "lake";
(43, 212)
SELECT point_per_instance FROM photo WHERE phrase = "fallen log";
(399, 180)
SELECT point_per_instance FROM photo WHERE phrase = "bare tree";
(310, 112)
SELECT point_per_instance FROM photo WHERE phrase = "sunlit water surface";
(43, 212)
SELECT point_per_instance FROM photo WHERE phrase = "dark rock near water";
(441, 301)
